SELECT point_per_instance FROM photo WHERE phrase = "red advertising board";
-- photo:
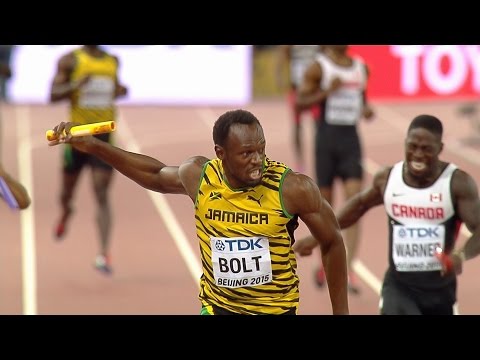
(421, 72)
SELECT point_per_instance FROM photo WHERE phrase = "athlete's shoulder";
(70, 53)
(463, 185)
(196, 161)
(296, 177)
(381, 177)
(113, 56)
(358, 58)
(67, 60)
(384, 172)
(452, 166)
(460, 177)
(295, 184)
(299, 192)
(191, 170)
(273, 163)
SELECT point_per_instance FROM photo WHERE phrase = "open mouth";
(255, 174)
(418, 166)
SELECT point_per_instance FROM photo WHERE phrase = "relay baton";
(87, 129)
(7, 195)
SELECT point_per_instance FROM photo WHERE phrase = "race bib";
(241, 262)
(413, 247)
(344, 107)
(98, 92)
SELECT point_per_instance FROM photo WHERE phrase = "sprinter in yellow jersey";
(88, 78)
(246, 209)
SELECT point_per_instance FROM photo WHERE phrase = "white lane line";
(27, 218)
(359, 267)
(367, 276)
(164, 210)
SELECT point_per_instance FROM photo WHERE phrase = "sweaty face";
(243, 155)
(421, 152)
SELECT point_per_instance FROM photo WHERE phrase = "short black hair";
(428, 122)
(226, 120)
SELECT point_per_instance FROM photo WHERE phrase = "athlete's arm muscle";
(146, 171)
(360, 203)
(120, 89)
(465, 193)
(61, 87)
(309, 91)
(301, 196)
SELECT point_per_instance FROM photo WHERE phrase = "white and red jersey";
(345, 105)
(419, 221)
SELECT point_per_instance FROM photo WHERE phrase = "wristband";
(461, 255)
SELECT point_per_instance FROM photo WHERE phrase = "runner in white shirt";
(426, 201)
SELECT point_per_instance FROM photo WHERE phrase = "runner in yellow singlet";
(88, 78)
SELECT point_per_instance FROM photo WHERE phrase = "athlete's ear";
(220, 151)
(441, 147)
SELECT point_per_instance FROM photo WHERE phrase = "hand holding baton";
(445, 260)
(450, 262)
(87, 129)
